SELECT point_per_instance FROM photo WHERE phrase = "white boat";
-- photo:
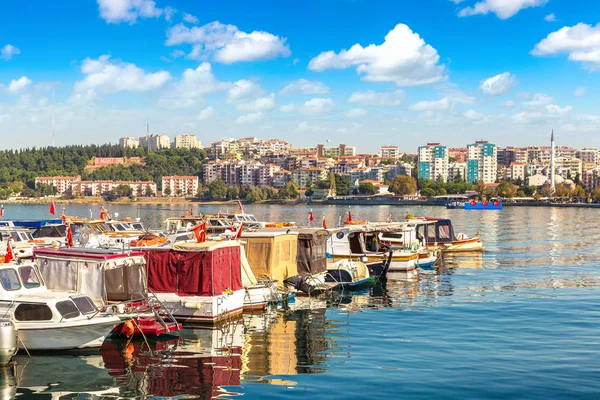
(347, 273)
(406, 237)
(49, 320)
(197, 282)
(22, 242)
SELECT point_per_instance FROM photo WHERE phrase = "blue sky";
(359, 72)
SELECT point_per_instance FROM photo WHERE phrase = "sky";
(361, 72)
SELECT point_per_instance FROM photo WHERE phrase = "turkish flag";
(52, 209)
(9, 254)
(324, 223)
(200, 232)
(69, 236)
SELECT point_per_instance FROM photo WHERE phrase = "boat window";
(138, 226)
(33, 312)
(28, 236)
(9, 279)
(15, 236)
(339, 235)
(444, 232)
(252, 218)
(105, 228)
(67, 309)
(45, 231)
(29, 277)
(85, 304)
(119, 227)
(390, 235)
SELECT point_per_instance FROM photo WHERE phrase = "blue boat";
(35, 223)
(483, 205)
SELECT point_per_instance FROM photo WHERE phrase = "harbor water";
(521, 320)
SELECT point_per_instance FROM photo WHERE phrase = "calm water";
(520, 321)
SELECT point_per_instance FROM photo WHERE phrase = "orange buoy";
(128, 329)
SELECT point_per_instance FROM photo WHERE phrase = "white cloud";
(550, 18)
(372, 98)
(226, 43)
(318, 105)
(8, 51)
(502, 8)
(305, 127)
(116, 11)
(16, 86)
(287, 108)
(475, 117)
(553, 109)
(580, 91)
(581, 42)
(508, 104)
(538, 99)
(434, 105)
(194, 84)
(303, 86)
(403, 58)
(356, 113)
(206, 113)
(249, 118)
(190, 18)
(105, 76)
(498, 85)
(550, 111)
(248, 96)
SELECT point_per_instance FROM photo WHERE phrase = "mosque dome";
(557, 179)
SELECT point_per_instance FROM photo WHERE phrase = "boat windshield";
(9, 279)
(84, 304)
(30, 277)
(67, 309)
(138, 226)
(119, 227)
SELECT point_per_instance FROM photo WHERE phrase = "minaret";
(552, 156)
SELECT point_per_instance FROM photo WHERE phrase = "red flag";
(311, 218)
(191, 211)
(9, 253)
(239, 231)
(52, 209)
(69, 236)
(324, 223)
(104, 214)
(220, 214)
(349, 219)
(240, 207)
(2, 212)
(200, 232)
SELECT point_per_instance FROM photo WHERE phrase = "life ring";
(473, 203)
(484, 203)
(496, 203)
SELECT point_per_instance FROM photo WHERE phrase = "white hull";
(260, 295)
(402, 266)
(203, 309)
(64, 335)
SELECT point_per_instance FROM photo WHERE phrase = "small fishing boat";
(348, 274)
(22, 243)
(43, 317)
(441, 236)
(406, 238)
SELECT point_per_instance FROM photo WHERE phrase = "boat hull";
(260, 295)
(458, 246)
(203, 309)
(64, 335)
(399, 262)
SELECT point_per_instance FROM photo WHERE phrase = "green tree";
(110, 196)
(596, 194)
(216, 190)
(561, 191)
(367, 188)
(254, 194)
(342, 184)
(233, 192)
(270, 192)
(289, 191)
(428, 192)
(403, 185)
(123, 191)
(480, 188)
(578, 191)
(167, 191)
(506, 189)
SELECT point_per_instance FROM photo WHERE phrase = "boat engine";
(8, 341)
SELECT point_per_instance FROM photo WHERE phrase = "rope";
(25, 347)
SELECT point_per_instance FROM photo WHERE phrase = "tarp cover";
(272, 256)
(312, 251)
(208, 271)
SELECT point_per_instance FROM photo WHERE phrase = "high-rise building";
(457, 171)
(390, 152)
(187, 141)
(432, 162)
(482, 162)
(129, 142)
(155, 142)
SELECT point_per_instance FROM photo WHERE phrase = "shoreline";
(141, 200)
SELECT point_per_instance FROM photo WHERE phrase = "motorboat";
(441, 235)
(45, 235)
(406, 238)
(22, 242)
(113, 280)
(494, 204)
(348, 273)
(360, 242)
(197, 282)
(46, 319)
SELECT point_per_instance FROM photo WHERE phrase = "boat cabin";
(272, 254)
(49, 233)
(312, 251)
(22, 241)
(105, 275)
(439, 232)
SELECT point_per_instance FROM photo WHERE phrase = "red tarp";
(190, 273)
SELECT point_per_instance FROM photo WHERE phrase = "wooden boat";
(42, 316)
(441, 235)
(197, 282)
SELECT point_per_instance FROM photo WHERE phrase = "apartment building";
(129, 142)
(482, 162)
(186, 141)
(63, 184)
(432, 162)
(180, 186)
(390, 152)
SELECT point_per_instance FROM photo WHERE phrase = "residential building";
(403, 169)
(588, 156)
(390, 152)
(129, 142)
(63, 184)
(280, 178)
(98, 188)
(457, 170)
(265, 174)
(180, 186)
(591, 178)
(306, 177)
(482, 162)
(568, 167)
(432, 162)
(155, 142)
(186, 141)
(516, 171)
(335, 151)
(458, 153)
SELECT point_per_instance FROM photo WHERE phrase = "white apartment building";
(63, 184)
(129, 142)
(390, 152)
(457, 170)
(304, 178)
(482, 162)
(98, 188)
(591, 178)
(568, 166)
(186, 141)
(180, 186)
(432, 162)
(155, 142)
(588, 155)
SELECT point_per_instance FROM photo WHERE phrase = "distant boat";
(483, 205)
